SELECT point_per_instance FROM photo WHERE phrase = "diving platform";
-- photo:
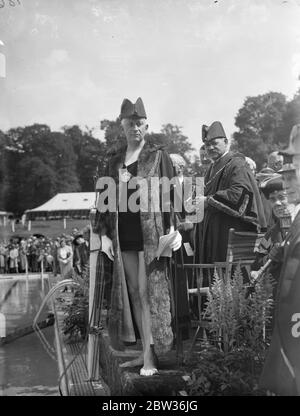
(169, 381)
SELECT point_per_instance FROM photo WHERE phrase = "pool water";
(20, 300)
(26, 368)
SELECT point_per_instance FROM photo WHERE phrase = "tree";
(176, 142)
(290, 118)
(90, 153)
(260, 124)
(38, 184)
(65, 164)
(3, 171)
(113, 134)
(40, 164)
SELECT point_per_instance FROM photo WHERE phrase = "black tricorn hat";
(214, 131)
(128, 109)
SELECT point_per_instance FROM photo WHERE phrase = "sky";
(192, 61)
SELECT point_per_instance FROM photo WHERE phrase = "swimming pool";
(26, 368)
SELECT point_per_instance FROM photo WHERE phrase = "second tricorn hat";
(214, 131)
(128, 109)
(294, 142)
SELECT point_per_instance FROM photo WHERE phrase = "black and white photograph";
(149, 201)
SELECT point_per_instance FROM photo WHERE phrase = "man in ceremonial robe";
(231, 196)
(281, 372)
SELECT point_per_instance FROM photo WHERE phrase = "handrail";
(51, 292)
(61, 362)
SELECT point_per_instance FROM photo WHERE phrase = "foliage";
(37, 163)
(75, 323)
(40, 164)
(264, 124)
(233, 374)
(67, 161)
(3, 171)
(290, 117)
(90, 153)
(113, 134)
(240, 319)
(260, 124)
(232, 363)
(175, 141)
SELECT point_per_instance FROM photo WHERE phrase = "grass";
(50, 228)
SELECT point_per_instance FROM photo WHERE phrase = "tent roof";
(71, 201)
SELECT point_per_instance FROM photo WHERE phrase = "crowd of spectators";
(36, 253)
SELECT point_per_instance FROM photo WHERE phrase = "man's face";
(277, 163)
(292, 184)
(279, 203)
(296, 163)
(134, 129)
(215, 148)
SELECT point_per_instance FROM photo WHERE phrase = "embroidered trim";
(244, 204)
(156, 161)
(216, 204)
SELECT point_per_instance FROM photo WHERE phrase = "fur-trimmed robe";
(233, 201)
(152, 162)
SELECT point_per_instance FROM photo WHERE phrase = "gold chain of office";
(216, 174)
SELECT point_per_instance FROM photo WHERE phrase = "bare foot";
(133, 363)
(150, 363)
(149, 372)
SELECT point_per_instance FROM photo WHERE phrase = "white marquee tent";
(65, 205)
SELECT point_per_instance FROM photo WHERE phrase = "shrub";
(232, 363)
(75, 323)
(235, 318)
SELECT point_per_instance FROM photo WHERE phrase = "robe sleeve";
(167, 170)
(101, 223)
(291, 272)
(237, 198)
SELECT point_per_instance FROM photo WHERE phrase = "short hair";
(177, 160)
(273, 157)
(250, 162)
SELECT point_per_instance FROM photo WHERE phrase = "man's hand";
(107, 247)
(185, 226)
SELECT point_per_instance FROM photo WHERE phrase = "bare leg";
(150, 359)
(130, 262)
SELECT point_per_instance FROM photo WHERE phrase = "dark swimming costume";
(130, 229)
